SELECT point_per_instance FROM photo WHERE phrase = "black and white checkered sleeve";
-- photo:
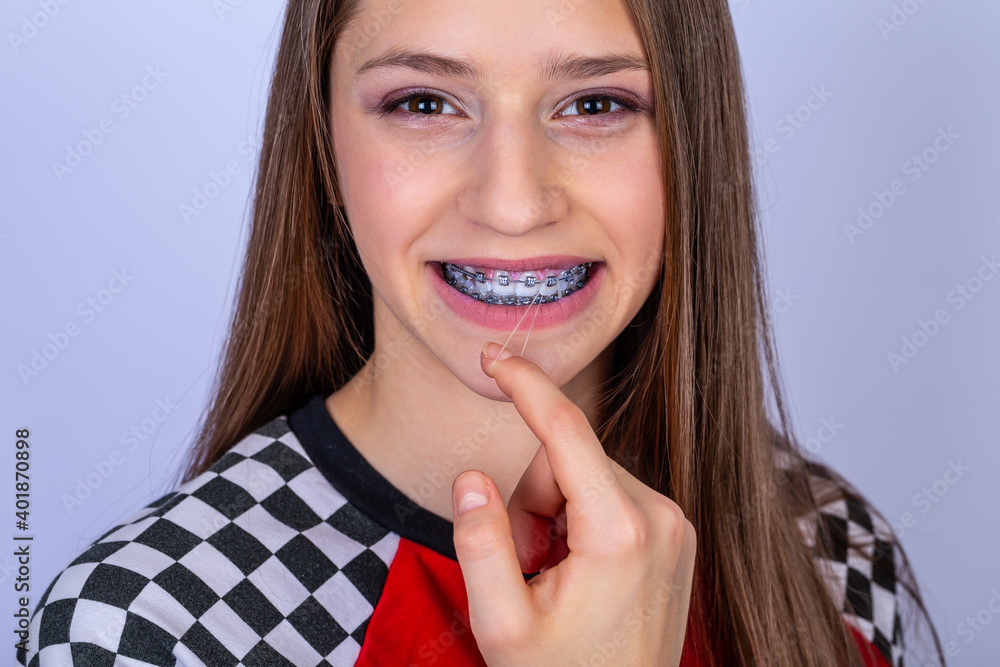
(84, 617)
(863, 585)
(258, 561)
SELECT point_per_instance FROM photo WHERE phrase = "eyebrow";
(556, 66)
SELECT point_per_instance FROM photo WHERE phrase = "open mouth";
(515, 288)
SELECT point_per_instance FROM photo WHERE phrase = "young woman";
(494, 391)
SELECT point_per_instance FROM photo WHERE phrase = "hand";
(617, 558)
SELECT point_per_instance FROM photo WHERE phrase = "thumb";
(498, 596)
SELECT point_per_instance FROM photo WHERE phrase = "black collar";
(362, 485)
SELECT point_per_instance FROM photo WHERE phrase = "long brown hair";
(686, 410)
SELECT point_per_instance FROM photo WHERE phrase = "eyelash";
(627, 105)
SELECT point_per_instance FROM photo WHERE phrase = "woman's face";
(526, 148)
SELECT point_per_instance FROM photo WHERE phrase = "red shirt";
(423, 617)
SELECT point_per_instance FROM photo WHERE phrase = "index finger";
(581, 468)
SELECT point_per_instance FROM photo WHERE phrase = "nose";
(512, 184)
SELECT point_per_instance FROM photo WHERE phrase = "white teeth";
(524, 289)
(549, 286)
(518, 287)
(502, 284)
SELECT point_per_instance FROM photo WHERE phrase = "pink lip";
(505, 318)
(542, 262)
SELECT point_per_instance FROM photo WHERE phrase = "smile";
(516, 288)
(501, 307)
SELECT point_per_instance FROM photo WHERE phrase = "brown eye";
(424, 104)
(604, 107)
(592, 106)
(418, 103)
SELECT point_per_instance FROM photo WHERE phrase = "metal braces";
(575, 278)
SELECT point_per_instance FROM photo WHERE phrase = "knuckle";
(506, 631)
(566, 418)
(520, 374)
(690, 534)
(478, 541)
(683, 530)
(670, 519)
(670, 511)
(634, 532)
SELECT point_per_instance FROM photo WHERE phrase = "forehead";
(511, 34)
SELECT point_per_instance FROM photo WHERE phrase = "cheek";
(388, 172)
(380, 204)
(646, 235)
(379, 234)
(650, 214)
(624, 192)
(391, 195)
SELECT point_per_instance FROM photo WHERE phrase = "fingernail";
(470, 489)
(490, 351)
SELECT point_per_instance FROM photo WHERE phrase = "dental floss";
(530, 326)
(516, 326)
